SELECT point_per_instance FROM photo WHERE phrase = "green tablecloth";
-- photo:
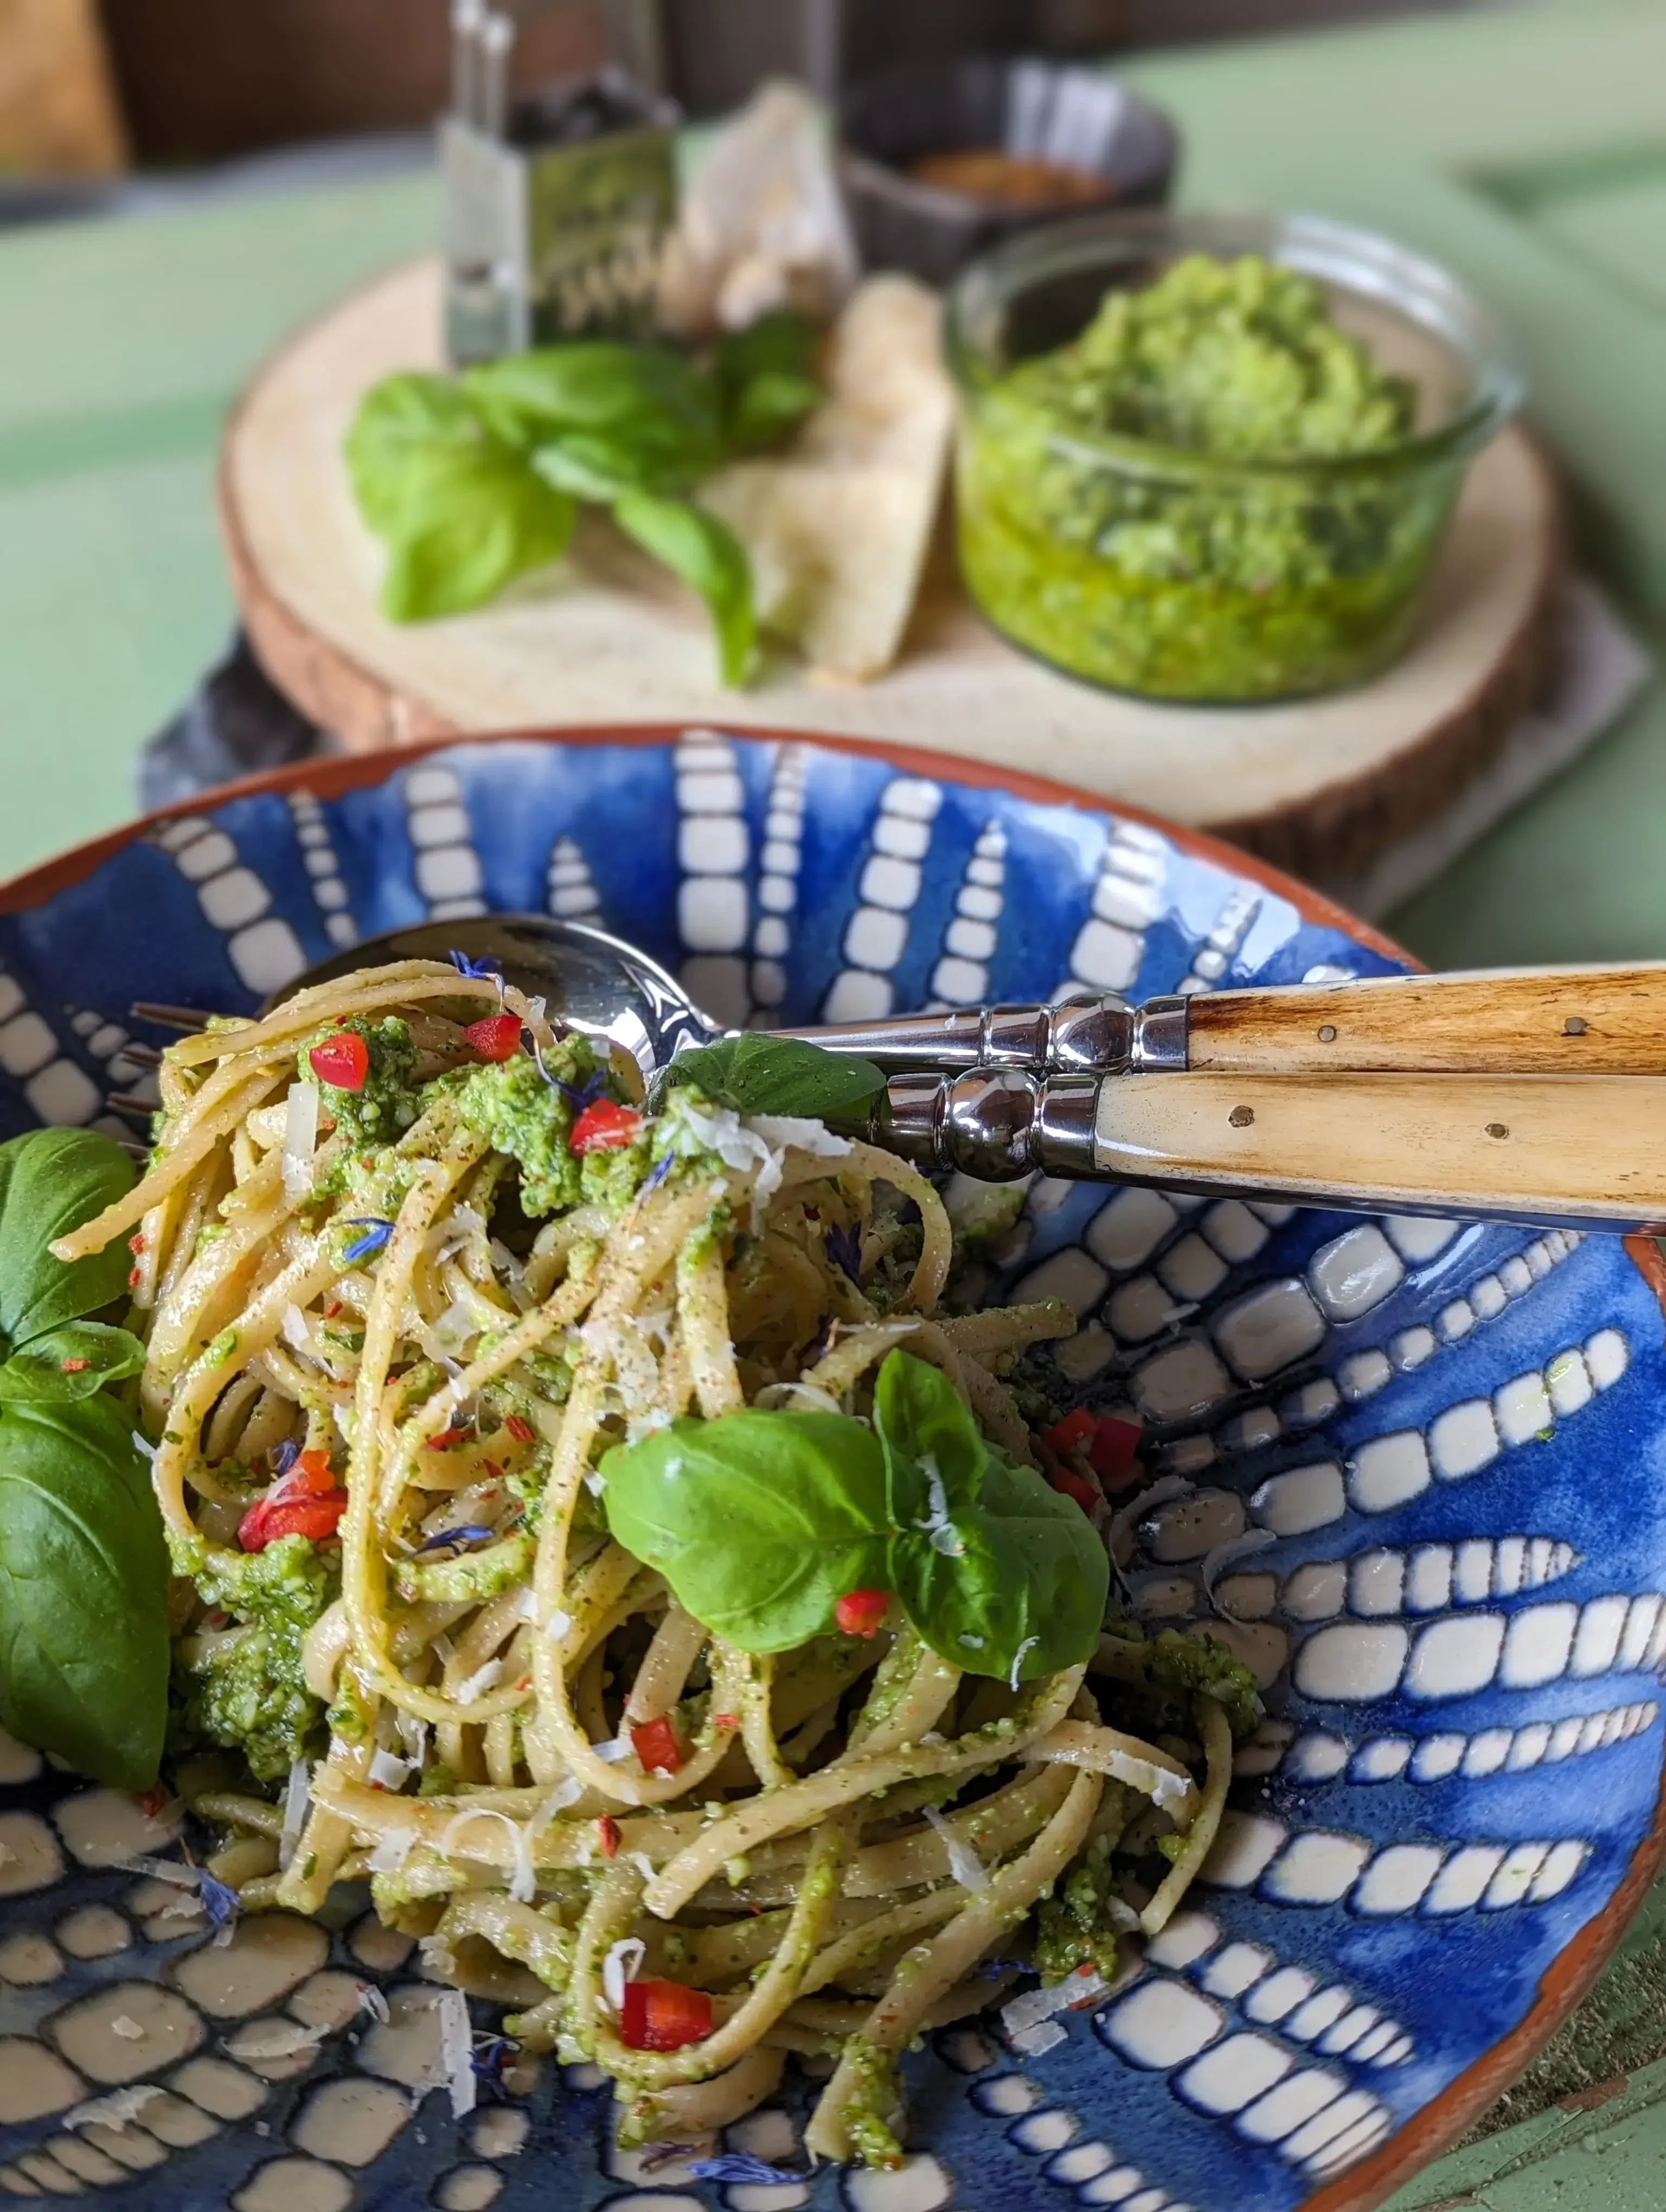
(1526, 148)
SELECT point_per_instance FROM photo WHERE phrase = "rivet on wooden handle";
(1566, 1021)
(1531, 1148)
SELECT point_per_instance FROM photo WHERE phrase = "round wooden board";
(1319, 788)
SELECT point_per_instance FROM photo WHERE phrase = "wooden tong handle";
(1545, 1021)
(1578, 1149)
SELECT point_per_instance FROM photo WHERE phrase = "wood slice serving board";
(1319, 788)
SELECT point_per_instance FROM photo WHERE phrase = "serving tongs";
(1534, 1094)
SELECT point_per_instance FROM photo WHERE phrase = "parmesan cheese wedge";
(838, 526)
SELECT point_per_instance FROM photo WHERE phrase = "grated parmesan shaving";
(1028, 1644)
(386, 1772)
(296, 1799)
(964, 1865)
(300, 1140)
(457, 2052)
(482, 1680)
(522, 1878)
(296, 1334)
(940, 1531)
(391, 1852)
(558, 1624)
(413, 1735)
(620, 1966)
(114, 2111)
(611, 1753)
(643, 1864)
(782, 1393)
(566, 1793)
(1033, 2041)
(1035, 2006)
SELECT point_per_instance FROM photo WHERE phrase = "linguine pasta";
(381, 1380)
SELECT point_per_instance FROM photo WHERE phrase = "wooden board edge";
(1342, 828)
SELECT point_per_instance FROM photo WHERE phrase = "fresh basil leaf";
(769, 406)
(72, 1362)
(83, 1591)
(53, 1180)
(496, 523)
(593, 465)
(403, 437)
(595, 384)
(760, 1522)
(461, 512)
(935, 1455)
(1024, 1593)
(756, 1073)
(708, 557)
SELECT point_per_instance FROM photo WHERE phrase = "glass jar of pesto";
(1212, 458)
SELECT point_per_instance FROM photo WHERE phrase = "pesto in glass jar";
(1206, 495)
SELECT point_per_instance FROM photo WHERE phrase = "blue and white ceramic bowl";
(1452, 1437)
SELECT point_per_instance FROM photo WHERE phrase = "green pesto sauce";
(249, 1690)
(1201, 582)
(1198, 1665)
(872, 2105)
(510, 1105)
(473, 1578)
(1076, 1927)
(390, 1100)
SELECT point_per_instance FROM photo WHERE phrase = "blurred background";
(94, 91)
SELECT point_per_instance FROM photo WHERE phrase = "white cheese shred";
(387, 1772)
(457, 2052)
(296, 1798)
(964, 1865)
(482, 1680)
(391, 1852)
(1028, 1644)
(300, 1140)
(620, 1966)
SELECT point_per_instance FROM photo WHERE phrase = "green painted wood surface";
(1526, 146)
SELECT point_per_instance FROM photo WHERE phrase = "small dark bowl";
(1036, 109)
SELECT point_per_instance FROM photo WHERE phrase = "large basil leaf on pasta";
(72, 1362)
(760, 1522)
(53, 1180)
(935, 1455)
(1014, 1586)
(83, 1591)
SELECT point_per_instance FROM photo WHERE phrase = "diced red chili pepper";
(605, 1127)
(496, 1038)
(663, 2016)
(446, 1438)
(860, 1612)
(1077, 1487)
(153, 1802)
(726, 1720)
(522, 1432)
(74, 1366)
(133, 1279)
(1114, 1446)
(333, 1309)
(656, 1745)
(315, 1517)
(1071, 1433)
(136, 1243)
(343, 1061)
(607, 1835)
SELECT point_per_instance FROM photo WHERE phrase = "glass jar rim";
(1362, 262)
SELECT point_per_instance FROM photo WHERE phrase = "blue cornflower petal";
(739, 2166)
(376, 1234)
(468, 1533)
(660, 1172)
(844, 1249)
(476, 971)
(219, 1903)
(285, 1458)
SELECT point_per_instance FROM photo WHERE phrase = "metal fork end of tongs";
(1547, 1151)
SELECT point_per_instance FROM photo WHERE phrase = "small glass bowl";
(1180, 574)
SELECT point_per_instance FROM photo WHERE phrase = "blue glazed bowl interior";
(1448, 1439)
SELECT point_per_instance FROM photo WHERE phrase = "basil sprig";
(83, 1570)
(472, 481)
(761, 1522)
(756, 1073)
